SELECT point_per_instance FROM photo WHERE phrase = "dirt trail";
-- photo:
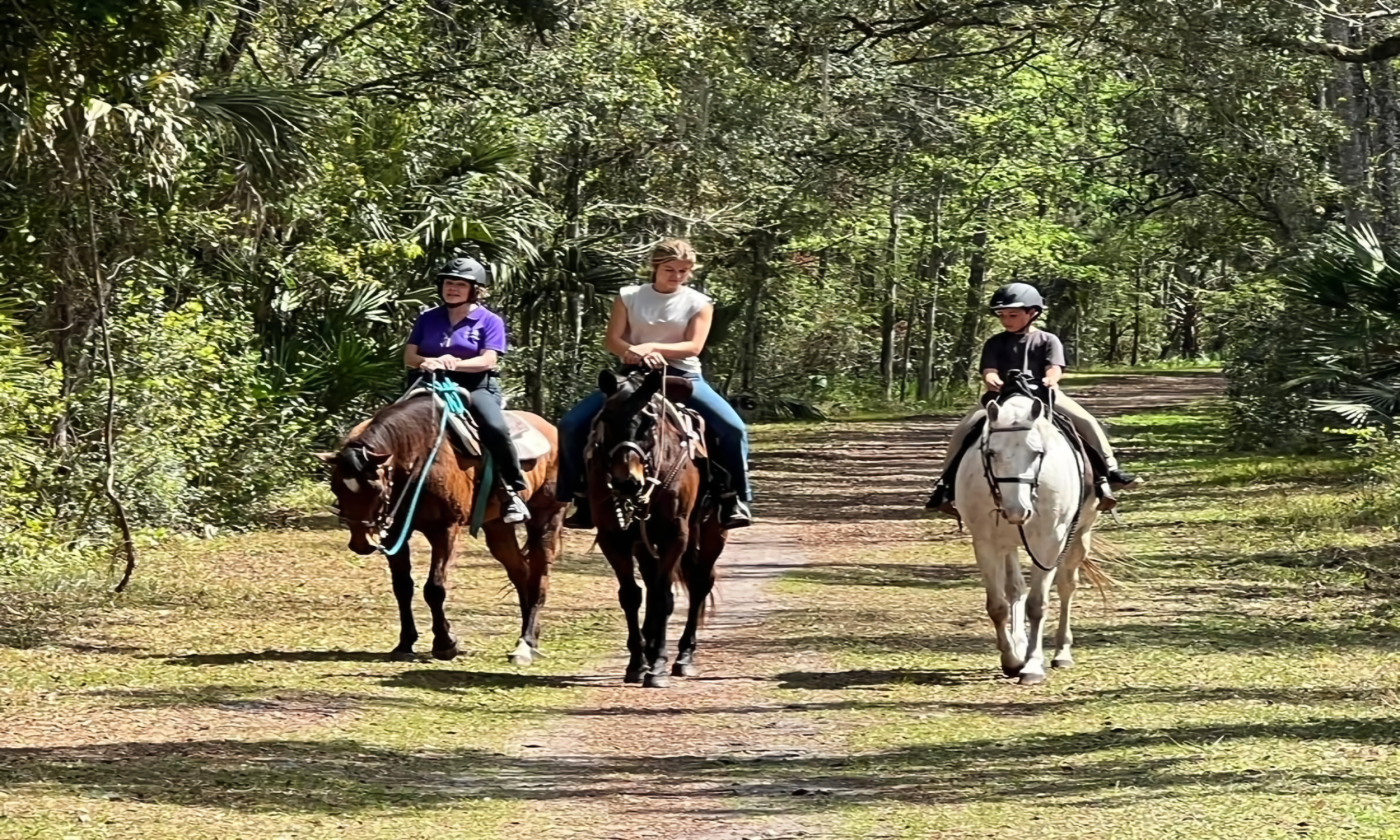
(646, 763)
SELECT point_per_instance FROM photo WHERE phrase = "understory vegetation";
(217, 220)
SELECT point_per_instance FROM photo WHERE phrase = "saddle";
(528, 441)
(1020, 384)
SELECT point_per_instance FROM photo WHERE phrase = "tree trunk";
(1137, 317)
(890, 305)
(1348, 93)
(966, 345)
(760, 251)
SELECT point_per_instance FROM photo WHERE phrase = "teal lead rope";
(446, 391)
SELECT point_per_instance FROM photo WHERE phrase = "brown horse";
(380, 464)
(647, 484)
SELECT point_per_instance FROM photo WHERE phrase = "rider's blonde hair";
(671, 249)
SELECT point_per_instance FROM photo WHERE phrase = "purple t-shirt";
(435, 335)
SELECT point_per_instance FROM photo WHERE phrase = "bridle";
(630, 507)
(995, 481)
(380, 524)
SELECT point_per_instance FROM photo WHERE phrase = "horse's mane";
(403, 429)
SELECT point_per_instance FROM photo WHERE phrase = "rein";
(994, 483)
(637, 508)
(445, 391)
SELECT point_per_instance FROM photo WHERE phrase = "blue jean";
(721, 422)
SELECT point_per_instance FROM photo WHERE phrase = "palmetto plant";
(1347, 304)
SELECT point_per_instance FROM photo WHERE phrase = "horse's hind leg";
(1033, 672)
(698, 566)
(444, 541)
(401, 575)
(531, 584)
(1067, 582)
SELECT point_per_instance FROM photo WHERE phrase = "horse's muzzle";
(362, 545)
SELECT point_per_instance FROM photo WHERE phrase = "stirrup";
(734, 513)
(515, 509)
(582, 518)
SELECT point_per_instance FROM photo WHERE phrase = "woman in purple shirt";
(464, 340)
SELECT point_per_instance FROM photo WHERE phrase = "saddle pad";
(528, 440)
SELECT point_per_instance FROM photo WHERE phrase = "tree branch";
(325, 49)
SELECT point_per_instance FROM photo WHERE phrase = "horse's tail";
(1092, 566)
(680, 580)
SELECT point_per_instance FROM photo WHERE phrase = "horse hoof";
(1062, 663)
(522, 655)
(633, 675)
(1030, 678)
(684, 669)
(657, 681)
(446, 653)
(1012, 670)
(398, 655)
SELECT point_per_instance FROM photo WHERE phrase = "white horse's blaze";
(1028, 448)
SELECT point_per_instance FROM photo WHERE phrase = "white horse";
(1025, 487)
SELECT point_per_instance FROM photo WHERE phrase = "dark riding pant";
(488, 409)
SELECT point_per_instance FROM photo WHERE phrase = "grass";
(240, 689)
(1239, 683)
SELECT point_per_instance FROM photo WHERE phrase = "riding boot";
(1123, 480)
(582, 518)
(942, 498)
(515, 509)
(734, 512)
(1107, 501)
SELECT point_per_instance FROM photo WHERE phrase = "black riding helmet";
(1016, 296)
(465, 268)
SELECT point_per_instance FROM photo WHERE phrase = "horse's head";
(627, 428)
(1013, 450)
(360, 480)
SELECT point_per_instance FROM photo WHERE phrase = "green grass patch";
(1238, 682)
(241, 689)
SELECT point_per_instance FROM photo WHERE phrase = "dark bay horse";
(647, 484)
(381, 461)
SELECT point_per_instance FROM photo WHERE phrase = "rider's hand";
(646, 355)
(992, 380)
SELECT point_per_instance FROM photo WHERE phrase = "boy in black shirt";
(1036, 352)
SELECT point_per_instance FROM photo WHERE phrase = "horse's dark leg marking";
(443, 540)
(401, 575)
(617, 547)
(661, 600)
(698, 566)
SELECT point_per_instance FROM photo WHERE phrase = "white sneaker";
(515, 511)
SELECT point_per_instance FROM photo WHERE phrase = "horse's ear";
(328, 457)
(1037, 408)
(608, 382)
(993, 409)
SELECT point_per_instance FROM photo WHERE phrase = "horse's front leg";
(661, 601)
(401, 576)
(443, 539)
(617, 547)
(991, 561)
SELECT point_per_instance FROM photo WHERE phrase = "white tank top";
(662, 319)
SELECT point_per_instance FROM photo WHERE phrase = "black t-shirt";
(1032, 351)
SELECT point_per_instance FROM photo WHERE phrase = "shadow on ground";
(1106, 767)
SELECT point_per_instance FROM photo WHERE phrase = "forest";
(218, 219)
